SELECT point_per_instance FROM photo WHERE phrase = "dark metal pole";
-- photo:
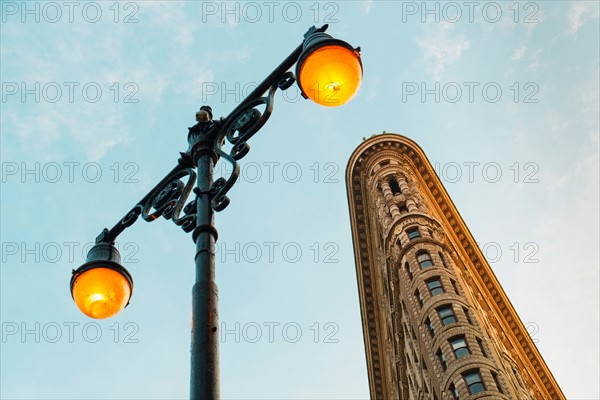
(205, 319)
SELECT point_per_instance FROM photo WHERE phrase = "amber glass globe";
(331, 75)
(101, 292)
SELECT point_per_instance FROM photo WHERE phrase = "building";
(436, 322)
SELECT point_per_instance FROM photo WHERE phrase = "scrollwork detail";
(237, 129)
(168, 200)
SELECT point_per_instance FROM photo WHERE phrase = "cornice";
(357, 181)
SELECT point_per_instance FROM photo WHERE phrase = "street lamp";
(102, 286)
(329, 72)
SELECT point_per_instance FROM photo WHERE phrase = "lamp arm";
(166, 199)
(245, 120)
(275, 76)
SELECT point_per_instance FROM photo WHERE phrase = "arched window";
(442, 258)
(435, 286)
(408, 270)
(394, 186)
(424, 259)
(453, 392)
(474, 381)
(442, 358)
(413, 233)
(453, 282)
(459, 346)
(446, 314)
(497, 382)
(402, 208)
(467, 315)
(429, 326)
(419, 297)
(480, 343)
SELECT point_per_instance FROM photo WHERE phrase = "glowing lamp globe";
(101, 287)
(329, 70)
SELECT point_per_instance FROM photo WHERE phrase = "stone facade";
(436, 322)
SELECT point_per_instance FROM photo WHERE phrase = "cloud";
(368, 5)
(519, 53)
(535, 60)
(75, 101)
(122, 62)
(576, 16)
(579, 13)
(47, 132)
(566, 233)
(440, 48)
(172, 19)
(587, 100)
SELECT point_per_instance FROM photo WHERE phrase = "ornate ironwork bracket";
(237, 129)
(168, 198)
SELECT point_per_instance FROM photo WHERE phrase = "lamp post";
(329, 72)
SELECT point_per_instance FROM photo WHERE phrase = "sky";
(503, 97)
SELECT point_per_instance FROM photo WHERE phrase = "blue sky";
(96, 101)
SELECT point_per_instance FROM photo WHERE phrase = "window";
(459, 346)
(466, 311)
(473, 380)
(408, 270)
(424, 259)
(442, 359)
(518, 376)
(497, 382)
(402, 208)
(429, 326)
(446, 314)
(394, 186)
(435, 286)
(480, 343)
(413, 233)
(419, 297)
(453, 392)
(453, 282)
(442, 259)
